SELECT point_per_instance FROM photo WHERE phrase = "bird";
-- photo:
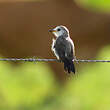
(63, 47)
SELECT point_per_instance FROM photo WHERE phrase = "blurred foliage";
(96, 5)
(91, 90)
(25, 86)
(33, 87)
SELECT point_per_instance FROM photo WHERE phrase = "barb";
(47, 60)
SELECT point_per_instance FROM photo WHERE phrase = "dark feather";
(69, 66)
(64, 49)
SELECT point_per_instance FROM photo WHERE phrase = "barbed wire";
(47, 60)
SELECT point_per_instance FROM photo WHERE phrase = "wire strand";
(47, 60)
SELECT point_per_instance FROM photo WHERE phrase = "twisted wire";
(47, 60)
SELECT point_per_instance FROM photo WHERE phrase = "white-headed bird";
(63, 47)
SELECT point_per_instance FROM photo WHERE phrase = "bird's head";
(60, 31)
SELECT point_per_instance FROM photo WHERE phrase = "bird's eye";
(58, 29)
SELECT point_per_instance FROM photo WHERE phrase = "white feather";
(59, 33)
(53, 49)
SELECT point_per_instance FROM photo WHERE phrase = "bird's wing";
(71, 48)
(64, 48)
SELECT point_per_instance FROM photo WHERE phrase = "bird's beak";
(52, 30)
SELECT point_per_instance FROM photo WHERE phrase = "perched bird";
(63, 47)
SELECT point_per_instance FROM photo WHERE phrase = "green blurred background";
(24, 26)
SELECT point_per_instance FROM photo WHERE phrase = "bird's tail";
(69, 66)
